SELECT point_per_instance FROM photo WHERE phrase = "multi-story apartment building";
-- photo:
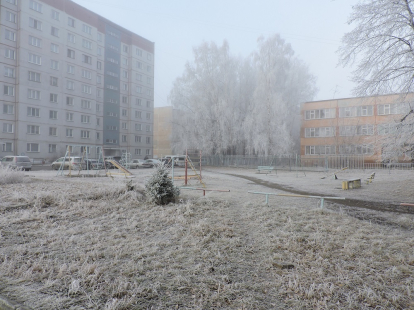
(72, 77)
(351, 126)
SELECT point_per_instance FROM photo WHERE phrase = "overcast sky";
(314, 28)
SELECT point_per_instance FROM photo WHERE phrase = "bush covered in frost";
(10, 176)
(160, 188)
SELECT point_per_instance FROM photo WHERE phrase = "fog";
(313, 28)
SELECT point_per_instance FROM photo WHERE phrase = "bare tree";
(381, 46)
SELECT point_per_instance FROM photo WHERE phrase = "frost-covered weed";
(10, 176)
(160, 188)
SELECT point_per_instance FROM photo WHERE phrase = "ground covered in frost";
(93, 243)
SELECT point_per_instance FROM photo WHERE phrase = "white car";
(17, 162)
(136, 163)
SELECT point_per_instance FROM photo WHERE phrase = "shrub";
(10, 176)
(160, 188)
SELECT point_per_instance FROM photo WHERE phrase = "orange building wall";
(162, 131)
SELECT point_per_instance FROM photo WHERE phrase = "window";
(9, 72)
(137, 151)
(99, 37)
(148, 128)
(85, 104)
(52, 148)
(124, 112)
(71, 37)
(99, 51)
(124, 99)
(8, 109)
(70, 69)
(54, 48)
(98, 121)
(69, 132)
(114, 61)
(53, 114)
(54, 98)
(9, 53)
(98, 136)
(87, 44)
(148, 80)
(98, 79)
(149, 56)
(347, 131)
(86, 89)
(124, 73)
(34, 112)
(98, 107)
(139, 65)
(32, 147)
(36, 6)
(34, 23)
(147, 151)
(138, 77)
(52, 131)
(124, 86)
(148, 115)
(138, 127)
(12, 2)
(7, 128)
(149, 92)
(139, 89)
(149, 68)
(69, 116)
(8, 90)
(7, 147)
(365, 130)
(70, 85)
(71, 53)
(86, 74)
(148, 104)
(386, 109)
(320, 132)
(55, 15)
(53, 81)
(138, 101)
(138, 114)
(34, 76)
(87, 59)
(10, 35)
(366, 110)
(112, 74)
(54, 64)
(125, 61)
(86, 29)
(124, 138)
(124, 125)
(10, 17)
(139, 52)
(320, 150)
(320, 114)
(98, 65)
(84, 134)
(71, 22)
(69, 100)
(138, 139)
(33, 129)
(86, 119)
(125, 48)
(148, 140)
(35, 59)
(35, 41)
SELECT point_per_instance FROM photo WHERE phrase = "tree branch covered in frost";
(229, 105)
(381, 44)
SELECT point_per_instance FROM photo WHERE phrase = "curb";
(6, 304)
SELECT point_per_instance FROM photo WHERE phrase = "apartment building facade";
(350, 126)
(72, 77)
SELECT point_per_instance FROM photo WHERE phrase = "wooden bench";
(351, 184)
(269, 169)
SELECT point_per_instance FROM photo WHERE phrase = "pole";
(186, 160)
(200, 167)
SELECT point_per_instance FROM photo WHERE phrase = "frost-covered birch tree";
(381, 46)
(282, 83)
(229, 105)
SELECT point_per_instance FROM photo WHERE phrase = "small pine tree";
(160, 188)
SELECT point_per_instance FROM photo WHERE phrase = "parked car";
(109, 165)
(150, 163)
(136, 163)
(179, 160)
(74, 163)
(17, 162)
(93, 164)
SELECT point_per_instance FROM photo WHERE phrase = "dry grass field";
(89, 243)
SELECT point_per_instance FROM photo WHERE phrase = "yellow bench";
(351, 184)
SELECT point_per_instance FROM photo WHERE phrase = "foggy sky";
(313, 28)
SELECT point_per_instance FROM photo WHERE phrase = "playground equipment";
(293, 195)
(205, 189)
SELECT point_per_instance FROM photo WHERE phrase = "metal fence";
(295, 162)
